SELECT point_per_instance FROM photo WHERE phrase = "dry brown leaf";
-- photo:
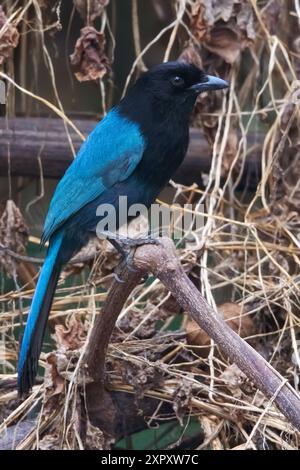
(142, 377)
(202, 20)
(9, 37)
(224, 28)
(242, 324)
(181, 400)
(71, 337)
(13, 235)
(89, 60)
(53, 380)
(225, 43)
(234, 378)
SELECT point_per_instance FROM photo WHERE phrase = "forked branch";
(162, 261)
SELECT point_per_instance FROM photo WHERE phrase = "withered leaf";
(13, 235)
(142, 377)
(9, 37)
(225, 43)
(89, 59)
(223, 28)
(234, 379)
(72, 336)
(53, 380)
(181, 400)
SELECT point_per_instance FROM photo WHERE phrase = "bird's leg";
(124, 253)
(127, 253)
(126, 261)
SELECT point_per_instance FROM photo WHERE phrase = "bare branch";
(162, 261)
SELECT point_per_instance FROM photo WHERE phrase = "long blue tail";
(37, 319)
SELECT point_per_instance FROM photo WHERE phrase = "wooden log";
(24, 140)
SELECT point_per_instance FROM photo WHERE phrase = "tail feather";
(37, 319)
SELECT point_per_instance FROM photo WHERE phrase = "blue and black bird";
(132, 152)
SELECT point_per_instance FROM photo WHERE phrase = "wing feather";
(109, 155)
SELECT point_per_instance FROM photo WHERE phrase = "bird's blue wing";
(109, 155)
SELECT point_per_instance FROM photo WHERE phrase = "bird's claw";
(128, 255)
(126, 262)
(135, 242)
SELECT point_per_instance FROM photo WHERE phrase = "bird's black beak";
(212, 83)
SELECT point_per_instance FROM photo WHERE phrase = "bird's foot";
(124, 244)
(127, 261)
(135, 242)
(119, 241)
(127, 248)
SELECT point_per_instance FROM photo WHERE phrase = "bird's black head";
(178, 82)
(167, 93)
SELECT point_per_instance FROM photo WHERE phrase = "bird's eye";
(177, 81)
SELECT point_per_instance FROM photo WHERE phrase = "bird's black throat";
(164, 125)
